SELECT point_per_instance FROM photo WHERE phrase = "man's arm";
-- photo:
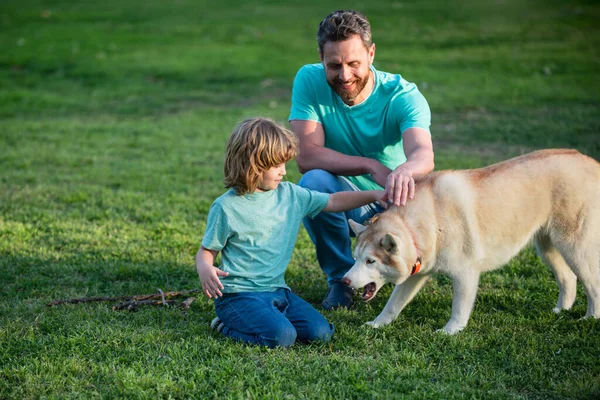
(314, 155)
(399, 184)
(418, 148)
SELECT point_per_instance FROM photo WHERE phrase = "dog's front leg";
(464, 288)
(401, 296)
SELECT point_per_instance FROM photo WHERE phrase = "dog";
(465, 222)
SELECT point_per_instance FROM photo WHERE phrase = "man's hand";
(400, 183)
(399, 187)
(211, 284)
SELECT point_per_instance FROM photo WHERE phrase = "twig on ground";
(142, 297)
(134, 304)
(187, 303)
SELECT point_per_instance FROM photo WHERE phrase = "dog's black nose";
(346, 281)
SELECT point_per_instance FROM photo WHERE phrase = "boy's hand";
(211, 284)
(383, 203)
(382, 198)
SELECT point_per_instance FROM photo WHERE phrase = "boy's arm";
(208, 273)
(344, 201)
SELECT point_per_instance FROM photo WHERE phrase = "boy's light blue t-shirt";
(256, 233)
(371, 129)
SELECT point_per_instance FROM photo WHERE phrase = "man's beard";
(348, 96)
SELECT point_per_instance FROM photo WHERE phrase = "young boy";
(254, 225)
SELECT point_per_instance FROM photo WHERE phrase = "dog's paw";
(372, 324)
(378, 323)
(450, 330)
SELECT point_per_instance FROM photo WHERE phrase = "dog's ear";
(388, 243)
(356, 227)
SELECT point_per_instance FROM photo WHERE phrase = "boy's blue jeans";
(271, 318)
(330, 232)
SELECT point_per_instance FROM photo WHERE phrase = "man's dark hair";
(342, 25)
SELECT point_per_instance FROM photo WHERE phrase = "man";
(359, 129)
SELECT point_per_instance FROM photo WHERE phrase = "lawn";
(113, 122)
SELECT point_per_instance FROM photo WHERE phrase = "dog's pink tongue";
(369, 291)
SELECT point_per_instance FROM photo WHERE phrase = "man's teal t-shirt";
(371, 129)
(256, 233)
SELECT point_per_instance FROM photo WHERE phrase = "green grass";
(113, 121)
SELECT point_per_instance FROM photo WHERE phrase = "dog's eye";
(370, 261)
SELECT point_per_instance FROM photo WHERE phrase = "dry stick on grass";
(138, 298)
(187, 303)
(134, 304)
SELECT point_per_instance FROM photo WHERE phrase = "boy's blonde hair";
(256, 145)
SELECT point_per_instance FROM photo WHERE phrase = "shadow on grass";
(90, 275)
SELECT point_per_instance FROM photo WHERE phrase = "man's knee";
(320, 180)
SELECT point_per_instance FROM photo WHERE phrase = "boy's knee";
(320, 332)
(281, 336)
(319, 180)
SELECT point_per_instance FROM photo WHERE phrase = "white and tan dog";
(463, 223)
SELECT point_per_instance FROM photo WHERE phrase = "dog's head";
(384, 253)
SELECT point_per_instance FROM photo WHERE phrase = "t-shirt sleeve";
(414, 111)
(303, 98)
(217, 230)
(311, 201)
